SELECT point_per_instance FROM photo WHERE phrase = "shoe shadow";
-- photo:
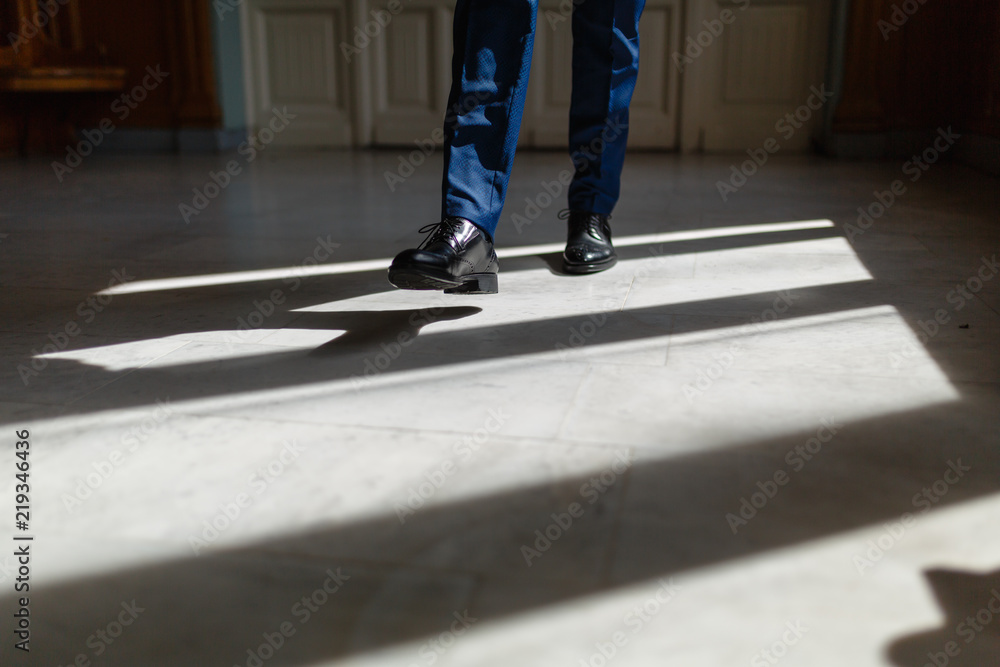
(372, 330)
(553, 261)
(970, 634)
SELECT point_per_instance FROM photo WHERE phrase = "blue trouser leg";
(605, 66)
(493, 41)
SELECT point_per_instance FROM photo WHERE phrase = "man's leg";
(493, 41)
(492, 56)
(605, 66)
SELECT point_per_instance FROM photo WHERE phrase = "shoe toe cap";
(583, 254)
(419, 258)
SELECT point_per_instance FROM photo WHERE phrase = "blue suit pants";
(493, 40)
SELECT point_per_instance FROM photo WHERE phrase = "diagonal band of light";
(260, 275)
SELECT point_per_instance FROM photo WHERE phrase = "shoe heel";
(476, 283)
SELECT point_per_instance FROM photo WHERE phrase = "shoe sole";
(584, 269)
(474, 283)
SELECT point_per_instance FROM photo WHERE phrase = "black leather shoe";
(456, 257)
(588, 244)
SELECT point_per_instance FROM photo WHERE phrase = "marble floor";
(769, 435)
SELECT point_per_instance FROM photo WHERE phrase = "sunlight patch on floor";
(341, 268)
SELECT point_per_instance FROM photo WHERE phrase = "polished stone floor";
(768, 435)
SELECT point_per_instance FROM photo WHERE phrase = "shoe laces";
(591, 223)
(436, 230)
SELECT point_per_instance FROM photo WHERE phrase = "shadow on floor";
(405, 581)
(970, 635)
(154, 315)
(203, 610)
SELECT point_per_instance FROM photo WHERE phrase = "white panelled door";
(747, 65)
(653, 114)
(411, 74)
(295, 62)
(716, 75)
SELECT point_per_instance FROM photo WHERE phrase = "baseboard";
(981, 152)
(976, 150)
(155, 141)
(878, 145)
